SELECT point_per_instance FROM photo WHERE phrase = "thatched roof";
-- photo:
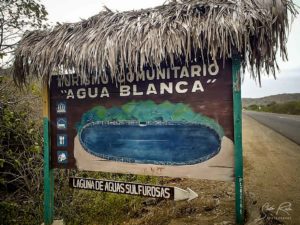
(114, 42)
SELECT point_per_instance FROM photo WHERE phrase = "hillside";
(281, 98)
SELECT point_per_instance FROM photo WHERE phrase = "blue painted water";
(156, 144)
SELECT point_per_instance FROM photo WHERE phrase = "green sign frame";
(48, 171)
(238, 146)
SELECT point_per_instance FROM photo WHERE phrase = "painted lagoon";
(161, 144)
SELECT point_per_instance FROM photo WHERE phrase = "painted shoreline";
(219, 167)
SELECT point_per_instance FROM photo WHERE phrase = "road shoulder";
(271, 167)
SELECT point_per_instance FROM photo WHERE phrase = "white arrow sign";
(180, 194)
(146, 190)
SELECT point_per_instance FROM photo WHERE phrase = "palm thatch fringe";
(112, 43)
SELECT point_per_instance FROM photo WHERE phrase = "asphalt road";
(287, 125)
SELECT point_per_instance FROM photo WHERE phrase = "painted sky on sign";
(288, 79)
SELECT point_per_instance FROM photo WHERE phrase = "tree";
(16, 16)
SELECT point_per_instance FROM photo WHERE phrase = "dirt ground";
(272, 172)
(215, 205)
(272, 187)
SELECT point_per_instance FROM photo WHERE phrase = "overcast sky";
(288, 80)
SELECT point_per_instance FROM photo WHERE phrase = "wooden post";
(238, 148)
(48, 172)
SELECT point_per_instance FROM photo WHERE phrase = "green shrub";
(20, 157)
(292, 107)
(21, 171)
(252, 107)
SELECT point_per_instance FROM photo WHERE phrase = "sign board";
(174, 121)
(146, 190)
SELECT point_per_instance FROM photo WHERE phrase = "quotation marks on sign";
(61, 107)
(63, 91)
(62, 140)
(211, 81)
(62, 156)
